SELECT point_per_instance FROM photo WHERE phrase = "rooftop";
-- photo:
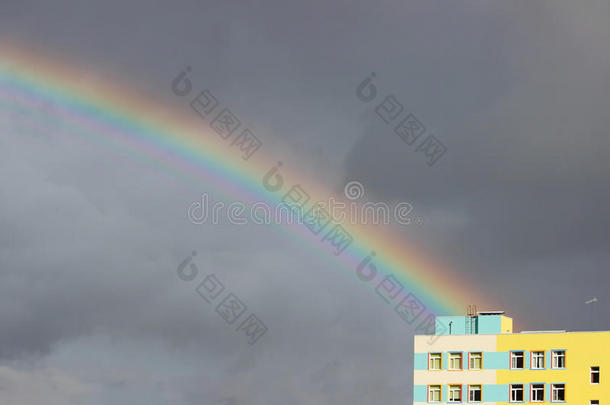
(484, 323)
(491, 313)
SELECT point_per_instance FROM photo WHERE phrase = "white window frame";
(555, 388)
(439, 357)
(452, 358)
(513, 357)
(474, 355)
(537, 390)
(536, 355)
(433, 388)
(592, 372)
(513, 389)
(555, 356)
(452, 389)
(594, 402)
(472, 389)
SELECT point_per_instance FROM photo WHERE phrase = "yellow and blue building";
(478, 359)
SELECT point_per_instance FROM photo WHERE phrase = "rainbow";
(181, 141)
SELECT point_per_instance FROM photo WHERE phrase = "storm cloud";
(90, 238)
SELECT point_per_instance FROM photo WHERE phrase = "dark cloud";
(90, 238)
(522, 190)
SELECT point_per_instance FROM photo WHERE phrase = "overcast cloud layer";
(91, 309)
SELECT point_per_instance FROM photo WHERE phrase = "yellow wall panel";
(583, 350)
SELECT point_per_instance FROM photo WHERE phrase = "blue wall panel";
(420, 393)
(495, 360)
(420, 361)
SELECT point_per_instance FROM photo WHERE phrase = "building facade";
(478, 359)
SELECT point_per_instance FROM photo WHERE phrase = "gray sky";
(91, 310)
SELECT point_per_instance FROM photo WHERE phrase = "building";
(478, 359)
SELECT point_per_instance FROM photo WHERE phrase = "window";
(434, 393)
(594, 375)
(455, 393)
(558, 392)
(455, 361)
(516, 393)
(435, 361)
(516, 360)
(474, 393)
(537, 393)
(559, 359)
(537, 360)
(476, 361)
(594, 402)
